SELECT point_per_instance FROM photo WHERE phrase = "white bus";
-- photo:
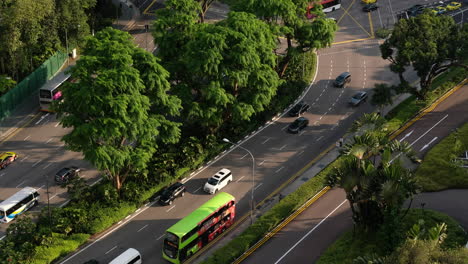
(50, 91)
(328, 6)
(130, 256)
(18, 203)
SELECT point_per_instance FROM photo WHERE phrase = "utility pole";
(146, 36)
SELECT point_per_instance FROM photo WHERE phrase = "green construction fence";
(31, 84)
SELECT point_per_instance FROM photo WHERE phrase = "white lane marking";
(407, 135)
(25, 157)
(170, 208)
(240, 178)
(50, 139)
(1, 238)
(321, 118)
(20, 184)
(316, 100)
(421, 136)
(48, 164)
(108, 233)
(256, 187)
(303, 131)
(53, 196)
(316, 122)
(427, 145)
(333, 127)
(137, 210)
(37, 162)
(265, 141)
(318, 139)
(26, 138)
(41, 187)
(161, 236)
(325, 113)
(56, 125)
(110, 250)
(282, 147)
(244, 156)
(142, 228)
(329, 109)
(300, 152)
(282, 167)
(42, 118)
(96, 182)
(262, 163)
(197, 190)
(65, 203)
(284, 127)
(1, 175)
(308, 233)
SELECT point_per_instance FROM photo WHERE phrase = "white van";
(218, 181)
(130, 256)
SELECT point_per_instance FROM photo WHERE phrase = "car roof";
(63, 171)
(6, 154)
(221, 173)
(301, 118)
(361, 93)
(344, 74)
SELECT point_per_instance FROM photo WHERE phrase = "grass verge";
(349, 246)
(60, 246)
(438, 171)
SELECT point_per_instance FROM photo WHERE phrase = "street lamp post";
(252, 202)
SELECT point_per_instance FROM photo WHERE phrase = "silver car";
(358, 98)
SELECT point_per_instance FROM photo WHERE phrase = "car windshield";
(339, 78)
(62, 172)
(357, 96)
(212, 181)
(166, 193)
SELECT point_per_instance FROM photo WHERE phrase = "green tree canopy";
(118, 106)
(429, 43)
(230, 71)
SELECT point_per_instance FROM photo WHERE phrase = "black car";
(66, 174)
(370, 7)
(358, 98)
(415, 10)
(299, 109)
(170, 193)
(342, 79)
(298, 125)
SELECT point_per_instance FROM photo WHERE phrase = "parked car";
(171, 193)
(358, 98)
(299, 109)
(438, 10)
(64, 175)
(415, 10)
(7, 158)
(342, 79)
(218, 181)
(370, 7)
(298, 125)
(453, 6)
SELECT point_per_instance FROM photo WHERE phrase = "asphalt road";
(41, 155)
(278, 155)
(309, 235)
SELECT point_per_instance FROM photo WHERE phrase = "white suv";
(218, 181)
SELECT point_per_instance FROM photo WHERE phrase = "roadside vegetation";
(442, 168)
(154, 119)
(367, 248)
(31, 31)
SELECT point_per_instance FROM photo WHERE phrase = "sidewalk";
(28, 109)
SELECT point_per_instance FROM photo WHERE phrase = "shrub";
(383, 32)
(61, 245)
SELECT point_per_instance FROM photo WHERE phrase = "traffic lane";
(144, 232)
(450, 202)
(268, 176)
(439, 123)
(309, 246)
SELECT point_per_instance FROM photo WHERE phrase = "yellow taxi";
(453, 6)
(368, 1)
(438, 10)
(7, 158)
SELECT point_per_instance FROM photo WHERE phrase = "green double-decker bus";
(200, 227)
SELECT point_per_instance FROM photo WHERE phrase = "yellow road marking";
(244, 217)
(428, 109)
(346, 12)
(352, 40)
(149, 6)
(19, 129)
(281, 225)
(371, 25)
